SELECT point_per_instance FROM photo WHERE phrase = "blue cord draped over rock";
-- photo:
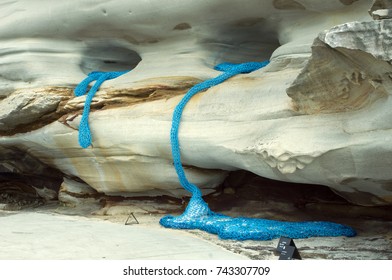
(197, 214)
(99, 77)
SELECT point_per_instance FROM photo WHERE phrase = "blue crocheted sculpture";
(197, 214)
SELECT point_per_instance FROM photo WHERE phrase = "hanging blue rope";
(81, 89)
(230, 71)
(199, 216)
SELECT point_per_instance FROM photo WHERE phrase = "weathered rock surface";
(381, 9)
(319, 113)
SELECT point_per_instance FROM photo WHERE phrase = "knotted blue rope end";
(84, 135)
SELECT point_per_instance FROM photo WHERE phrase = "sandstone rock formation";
(319, 113)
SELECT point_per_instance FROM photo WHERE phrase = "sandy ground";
(43, 235)
(57, 232)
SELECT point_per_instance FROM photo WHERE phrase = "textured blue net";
(197, 214)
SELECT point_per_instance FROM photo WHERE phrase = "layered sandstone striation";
(319, 113)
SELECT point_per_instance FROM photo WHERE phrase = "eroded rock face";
(319, 113)
(350, 69)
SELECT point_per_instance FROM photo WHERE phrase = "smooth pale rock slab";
(44, 236)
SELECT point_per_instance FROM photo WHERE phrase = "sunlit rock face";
(319, 113)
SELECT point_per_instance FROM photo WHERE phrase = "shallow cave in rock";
(241, 40)
(108, 56)
(25, 181)
(250, 195)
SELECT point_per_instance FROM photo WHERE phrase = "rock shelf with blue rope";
(198, 214)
